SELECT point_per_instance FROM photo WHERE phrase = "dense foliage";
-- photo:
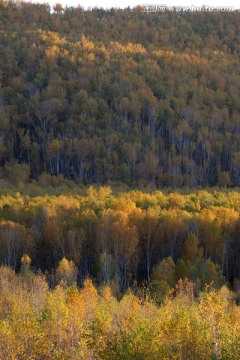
(125, 238)
(119, 95)
(72, 323)
(125, 98)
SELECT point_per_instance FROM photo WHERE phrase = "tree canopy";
(119, 95)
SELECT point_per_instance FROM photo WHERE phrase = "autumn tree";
(66, 272)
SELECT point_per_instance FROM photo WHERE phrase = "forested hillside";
(119, 95)
(144, 109)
